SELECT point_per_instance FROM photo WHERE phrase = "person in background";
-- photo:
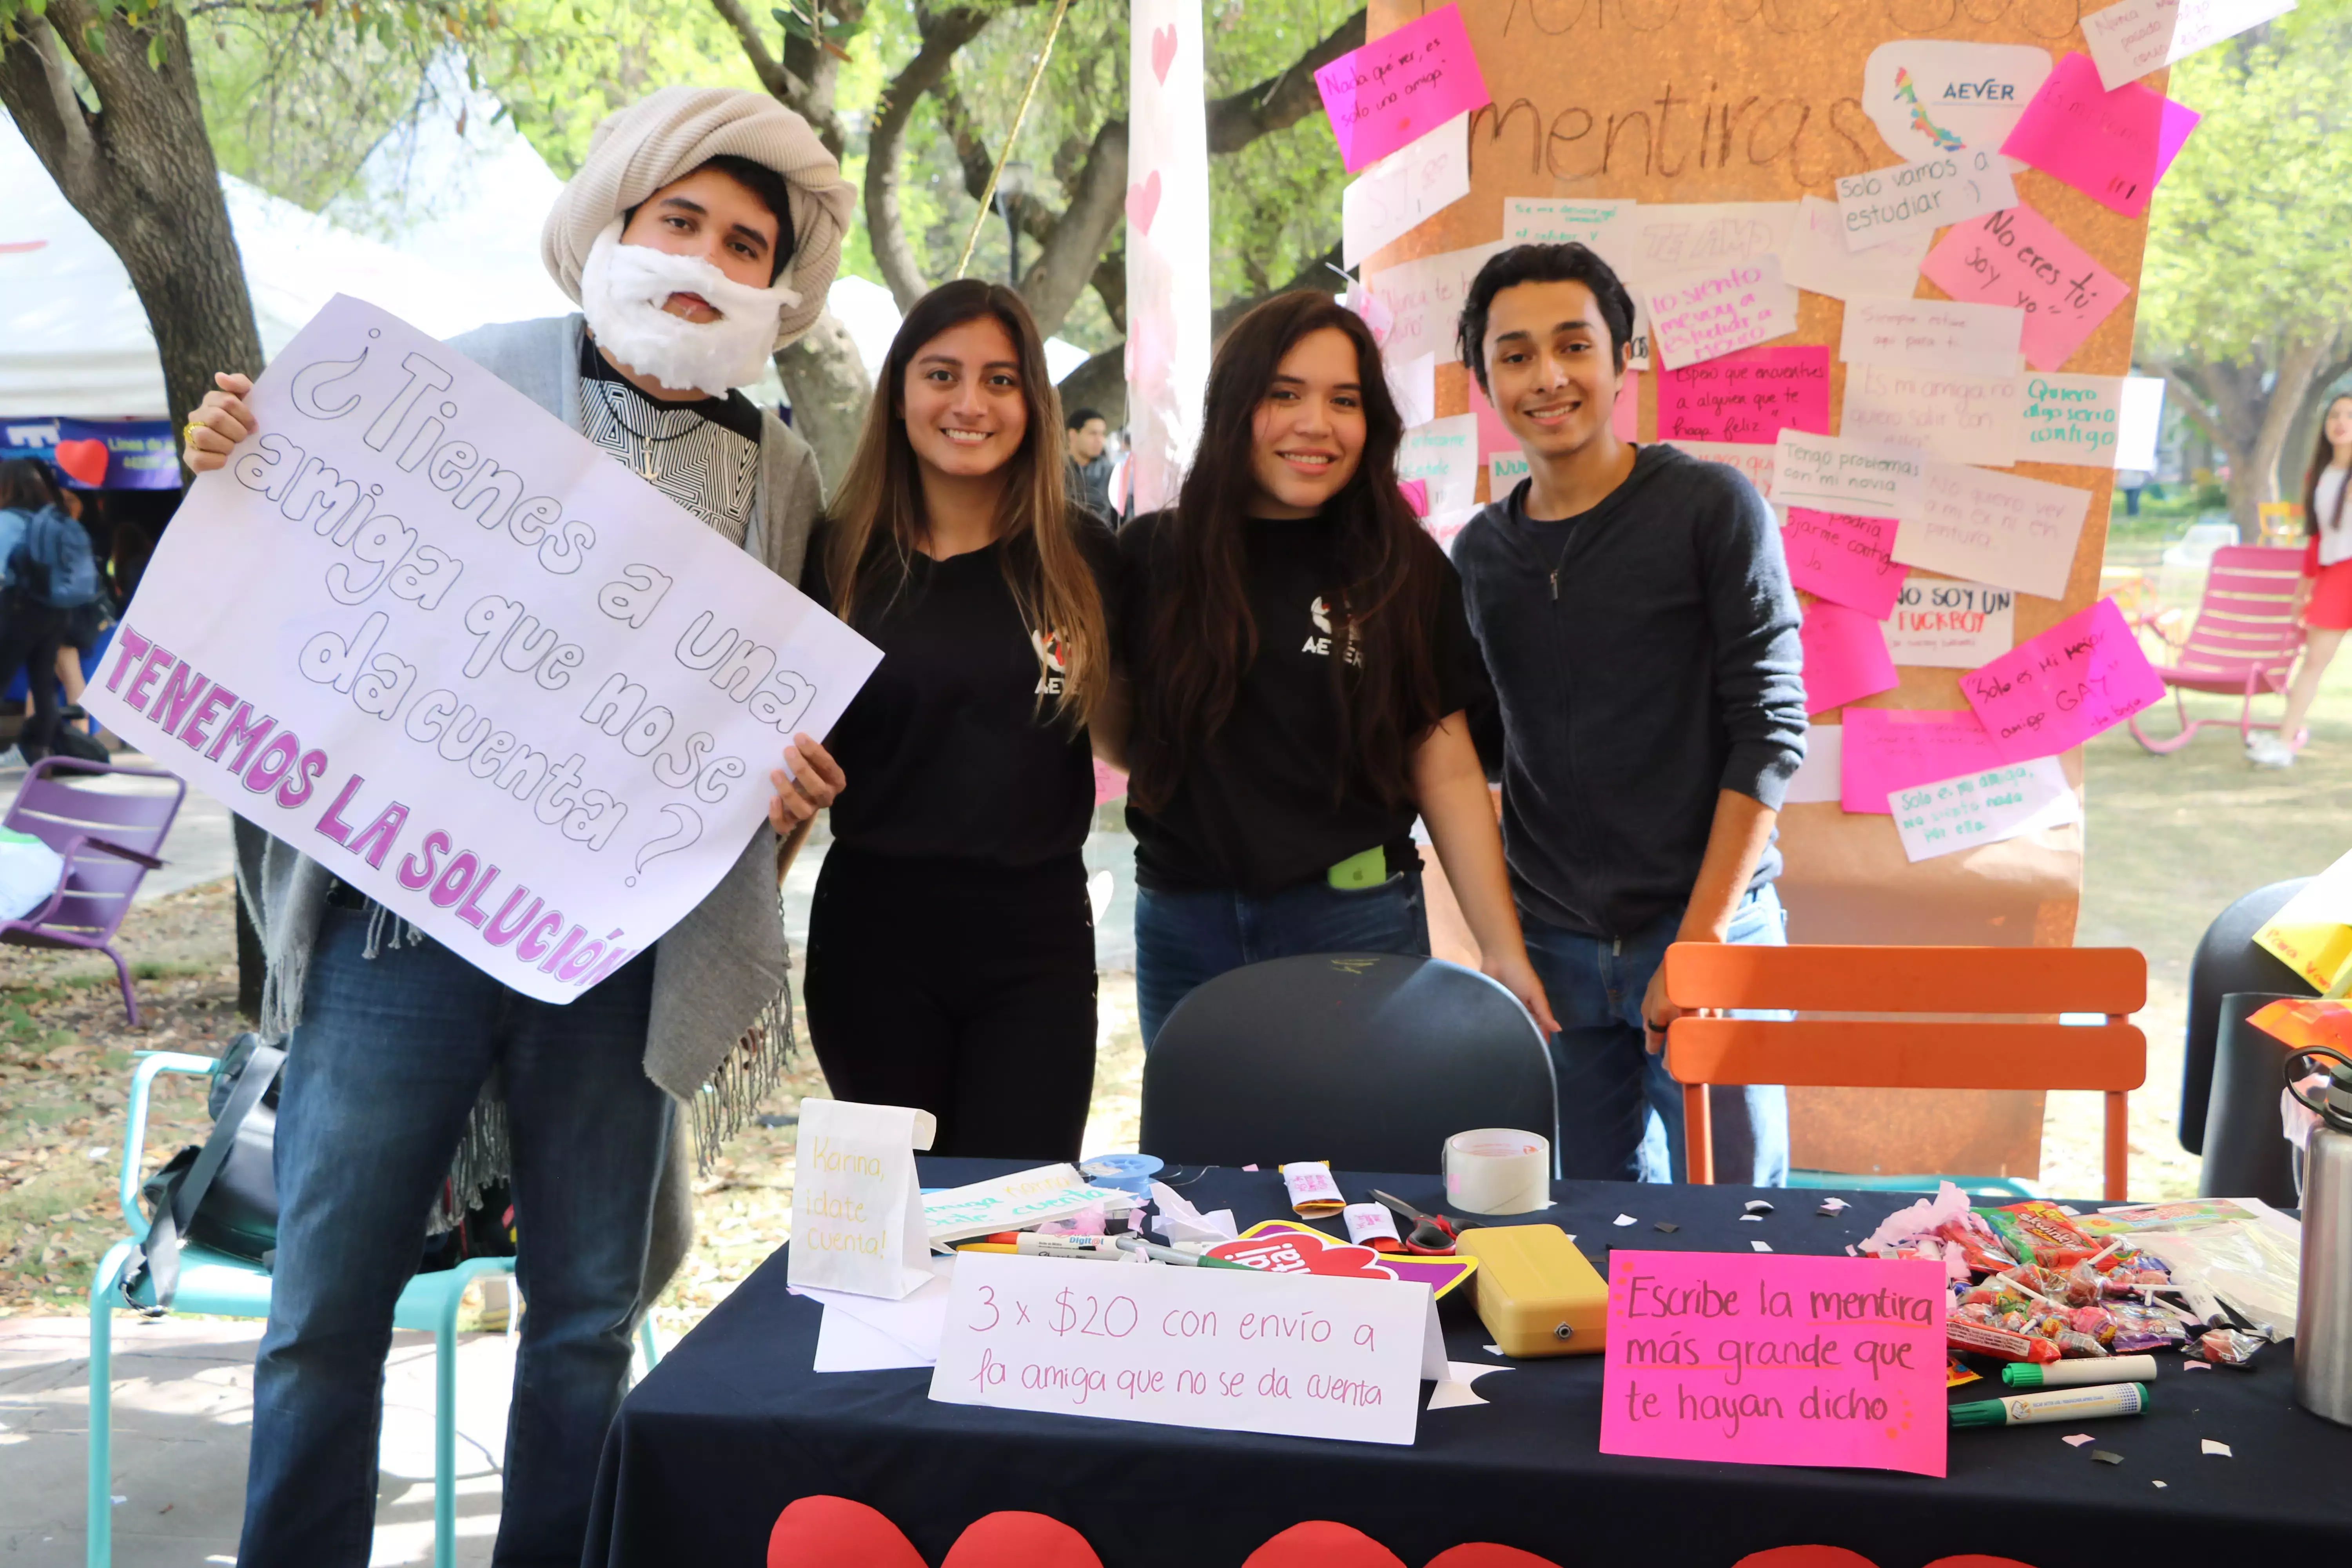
(2323, 600)
(951, 949)
(1636, 616)
(46, 572)
(1301, 671)
(86, 624)
(1088, 481)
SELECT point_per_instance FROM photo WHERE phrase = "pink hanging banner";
(1401, 87)
(2083, 677)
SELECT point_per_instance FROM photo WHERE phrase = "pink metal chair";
(108, 838)
(2243, 643)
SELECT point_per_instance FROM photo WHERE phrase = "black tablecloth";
(733, 1426)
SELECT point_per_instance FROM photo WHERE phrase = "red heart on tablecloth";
(1320, 1543)
(84, 461)
(1304, 1252)
(1805, 1557)
(834, 1532)
(1163, 51)
(1143, 201)
(1487, 1555)
(1013, 1540)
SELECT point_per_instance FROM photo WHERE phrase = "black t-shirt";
(954, 748)
(1261, 805)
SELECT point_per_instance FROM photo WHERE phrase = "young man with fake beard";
(699, 236)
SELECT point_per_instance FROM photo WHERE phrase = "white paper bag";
(857, 1212)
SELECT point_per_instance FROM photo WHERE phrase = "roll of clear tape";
(1497, 1170)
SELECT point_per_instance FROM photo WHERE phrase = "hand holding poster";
(430, 637)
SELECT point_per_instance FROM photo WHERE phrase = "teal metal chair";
(215, 1283)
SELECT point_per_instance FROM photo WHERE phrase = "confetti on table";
(2193, 1364)
(1756, 1218)
(1627, 1219)
(1758, 1205)
(2156, 1483)
(1494, 1350)
(2103, 1458)
(2078, 1439)
(1761, 1245)
(1668, 1226)
(1835, 1206)
(2211, 1446)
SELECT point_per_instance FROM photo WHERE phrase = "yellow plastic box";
(1537, 1294)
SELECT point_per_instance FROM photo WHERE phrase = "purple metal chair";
(108, 838)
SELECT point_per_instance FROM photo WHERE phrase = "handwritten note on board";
(1404, 190)
(1933, 334)
(2074, 419)
(1401, 86)
(2006, 801)
(2114, 147)
(1659, 240)
(1749, 397)
(1444, 454)
(1776, 1360)
(1817, 259)
(1528, 221)
(1995, 527)
(1423, 301)
(1755, 463)
(1842, 558)
(1912, 201)
(2136, 37)
(1887, 749)
(1953, 418)
(1854, 476)
(2084, 675)
(1845, 656)
(1697, 316)
(2019, 258)
(1947, 625)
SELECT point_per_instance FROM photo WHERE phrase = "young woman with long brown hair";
(2325, 594)
(951, 954)
(1302, 666)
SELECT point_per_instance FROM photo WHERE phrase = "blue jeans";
(1620, 1117)
(1186, 939)
(379, 1078)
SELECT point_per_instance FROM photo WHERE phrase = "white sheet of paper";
(1942, 624)
(1444, 455)
(1952, 814)
(1529, 221)
(1015, 1202)
(1697, 316)
(2143, 418)
(866, 1334)
(1404, 190)
(1818, 259)
(1911, 200)
(435, 641)
(1177, 1220)
(1751, 458)
(1306, 1355)
(1817, 776)
(2133, 37)
(1424, 300)
(857, 1211)
(1946, 335)
(1952, 417)
(1857, 477)
(1930, 95)
(2075, 419)
(1413, 384)
(845, 1345)
(1995, 527)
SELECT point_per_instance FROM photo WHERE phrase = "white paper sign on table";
(1444, 455)
(2136, 37)
(1952, 417)
(1697, 316)
(1309, 1355)
(1952, 814)
(1946, 335)
(1015, 1202)
(857, 1210)
(1909, 202)
(1424, 300)
(867, 1334)
(435, 641)
(1818, 259)
(1857, 477)
(1405, 189)
(1751, 458)
(1943, 624)
(1995, 527)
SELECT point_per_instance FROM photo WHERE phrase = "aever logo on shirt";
(1049, 656)
(1321, 614)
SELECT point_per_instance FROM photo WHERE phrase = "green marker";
(2055, 1405)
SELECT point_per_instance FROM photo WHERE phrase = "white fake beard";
(623, 288)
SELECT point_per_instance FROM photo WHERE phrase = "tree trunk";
(942, 37)
(829, 389)
(2297, 368)
(140, 171)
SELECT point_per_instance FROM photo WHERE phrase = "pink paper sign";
(1888, 749)
(2114, 147)
(1401, 87)
(1774, 1359)
(2082, 676)
(2019, 258)
(1751, 396)
(1844, 558)
(1845, 656)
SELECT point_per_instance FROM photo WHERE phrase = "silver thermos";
(2323, 1313)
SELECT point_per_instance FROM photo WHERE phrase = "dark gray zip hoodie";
(1646, 657)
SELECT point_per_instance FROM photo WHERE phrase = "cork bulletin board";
(1716, 101)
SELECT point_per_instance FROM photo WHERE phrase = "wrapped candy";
(2227, 1347)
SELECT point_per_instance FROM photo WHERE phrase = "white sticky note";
(1528, 221)
(1412, 387)
(1932, 95)
(1754, 460)
(1942, 624)
(1697, 316)
(1444, 455)
(1945, 335)
(1818, 259)
(2075, 419)
(2136, 37)
(1404, 190)
(1952, 417)
(1993, 526)
(1952, 814)
(1860, 478)
(1909, 202)
(1818, 776)
(1423, 301)
(1659, 240)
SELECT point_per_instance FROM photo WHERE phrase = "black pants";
(30, 633)
(963, 989)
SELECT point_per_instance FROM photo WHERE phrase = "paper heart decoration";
(1304, 1252)
(1320, 1544)
(1143, 201)
(1163, 51)
(84, 461)
(834, 1532)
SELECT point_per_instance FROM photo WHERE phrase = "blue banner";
(99, 454)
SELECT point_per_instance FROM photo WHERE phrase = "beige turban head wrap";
(668, 135)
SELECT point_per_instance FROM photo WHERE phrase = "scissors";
(1433, 1234)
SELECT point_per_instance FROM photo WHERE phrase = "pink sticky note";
(2020, 257)
(1494, 436)
(1887, 749)
(2082, 676)
(1751, 396)
(1400, 87)
(1776, 1359)
(1844, 558)
(2114, 147)
(1416, 495)
(1845, 656)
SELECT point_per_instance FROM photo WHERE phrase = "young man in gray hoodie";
(1636, 619)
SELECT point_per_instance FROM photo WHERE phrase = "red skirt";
(2330, 606)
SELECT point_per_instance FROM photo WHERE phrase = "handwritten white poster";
(1953, 417)
(1423, 301)
(1909, 202)
(1404, 189)
(429, 637)
(2136, 37)
(2007, 801)
(1818, 259)
(1697, 316)
(1933, 334)
(1857, 477)
(1995, 527)
(1947, 624)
